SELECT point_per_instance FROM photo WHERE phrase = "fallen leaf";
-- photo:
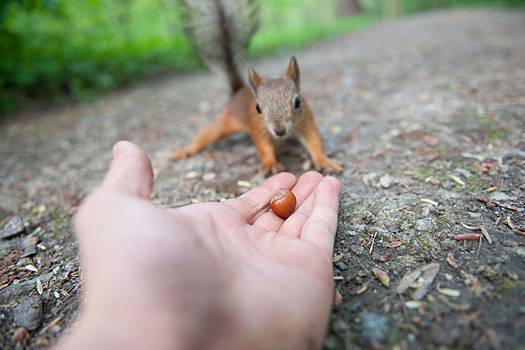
(429, 273)
(413, 304)
(448, 292)
(382, 276)
(241, 183)
(429, 201)
(39, 287)
(394, 244)
(407, 280)
(457, 179)
(338, 298)
(337, 257)
(452, 261)
(362, 289)
(31, 268)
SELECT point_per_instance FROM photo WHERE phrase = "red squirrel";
(269, 109)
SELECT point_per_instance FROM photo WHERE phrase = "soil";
(427, 115)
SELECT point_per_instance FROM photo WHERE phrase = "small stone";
(357, 249)
(28, 313)
(192, 175)
(369, 178)
(332, 343)
(19, 334)
(340, 325)
(423, 225)
(375, 327)
(385, 181)
(520, 251)
(209, 176)
(13, 227)
(501, 196)
(341, 265)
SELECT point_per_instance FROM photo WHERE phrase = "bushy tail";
(221, 31)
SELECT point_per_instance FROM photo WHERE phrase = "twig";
(51, 325)
(479, 246)
(373, 240)
(499, 204)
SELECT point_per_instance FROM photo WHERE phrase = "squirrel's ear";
(254, 79)
(293, 71)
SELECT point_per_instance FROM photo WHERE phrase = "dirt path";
(428, 116)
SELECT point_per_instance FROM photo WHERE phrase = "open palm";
(210, 275)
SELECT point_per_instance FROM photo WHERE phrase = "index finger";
(255, 202)
(319, 229)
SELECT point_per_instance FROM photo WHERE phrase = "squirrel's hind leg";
(225, 124)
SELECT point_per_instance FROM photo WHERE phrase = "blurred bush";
(51, 49)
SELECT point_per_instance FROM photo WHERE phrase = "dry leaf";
(407, 280)
(449, 292)
(338, 298)
(337, 257)
(452, 261)
(394, 244)
(382, 276)
(241, 183)
(362, 289)
(457, 179)
(39, 287)
(429, 201)
(31, 268)
(413, 304)
(429, 273)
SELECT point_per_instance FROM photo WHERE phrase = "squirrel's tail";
(221, 31)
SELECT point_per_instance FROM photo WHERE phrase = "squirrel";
(269, 109)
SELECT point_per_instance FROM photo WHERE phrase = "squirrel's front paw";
(329, 164)
(274, 167)
(180, 154)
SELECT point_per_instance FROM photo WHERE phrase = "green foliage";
(51, 49)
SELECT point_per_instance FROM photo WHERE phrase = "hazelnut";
(283, 203)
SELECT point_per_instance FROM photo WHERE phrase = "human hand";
(210, 275)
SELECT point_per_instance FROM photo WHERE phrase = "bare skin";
(228, 275)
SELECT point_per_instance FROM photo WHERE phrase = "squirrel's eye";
(258, 108)
(297, 102)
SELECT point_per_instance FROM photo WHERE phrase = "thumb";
(130, 170)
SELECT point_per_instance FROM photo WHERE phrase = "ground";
(428, 117)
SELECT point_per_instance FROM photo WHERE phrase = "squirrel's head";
(279, 102)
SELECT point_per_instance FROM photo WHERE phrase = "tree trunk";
(348, 8)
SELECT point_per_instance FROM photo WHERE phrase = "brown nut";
(283, 203)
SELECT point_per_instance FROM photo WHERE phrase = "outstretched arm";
(228, 275)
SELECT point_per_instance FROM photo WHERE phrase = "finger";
(319, 229)
(302, 190)
(256, 201)
(130, 170)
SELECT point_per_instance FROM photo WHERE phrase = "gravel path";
(428, 116)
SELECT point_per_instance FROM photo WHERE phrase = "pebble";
(375, 327)
(423, 225)
(357, 249)
(368, 178)
(209, 176)
(341, 265)
(13, 227)
(340, 325)
(28, 313)
(520, 251)
(385, 181)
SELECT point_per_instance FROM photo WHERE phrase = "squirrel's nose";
(279, 130)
